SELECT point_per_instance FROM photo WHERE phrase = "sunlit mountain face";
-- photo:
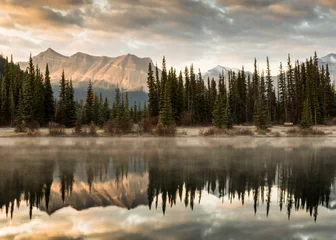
(229, 181)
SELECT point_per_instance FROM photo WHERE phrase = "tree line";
(27, 96)
(304, 95)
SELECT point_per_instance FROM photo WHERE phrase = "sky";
(204, 32)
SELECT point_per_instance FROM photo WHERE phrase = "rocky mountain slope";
(128, 71)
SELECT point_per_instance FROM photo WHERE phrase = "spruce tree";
(89, 104)
(61, 108)
(166, 113)
(28, 93)
(49, 103)
(269, 94)
(70, 110)
(218, 113)
(39, 97)
(153, 101)
(306, 120)
(227, 120)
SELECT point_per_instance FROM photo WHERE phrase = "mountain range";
(129, 72)
(126, 71)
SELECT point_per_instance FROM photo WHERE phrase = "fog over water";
(168, 188)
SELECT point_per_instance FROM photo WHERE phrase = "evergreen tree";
(28, 93)
(306, 121)
(166, 113)
(70, 109)
(61, 108)
(218, 114)
(269, 94)
(89, 110)
(227, 120)
(39, 97)
(49, 103)
(153, 103)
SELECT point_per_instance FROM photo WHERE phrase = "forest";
(303, 95)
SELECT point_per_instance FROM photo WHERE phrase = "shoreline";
(184, 132)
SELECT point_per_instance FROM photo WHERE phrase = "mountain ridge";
(127, 71)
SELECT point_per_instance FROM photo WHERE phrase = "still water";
(184, 188)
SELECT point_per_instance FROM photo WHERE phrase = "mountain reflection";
(301, 178)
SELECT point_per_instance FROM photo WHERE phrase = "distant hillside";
(127, 71)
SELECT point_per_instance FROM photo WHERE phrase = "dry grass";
(305, 132)
(33, 133)
(56, 129)
(163, 130)
(213, 131)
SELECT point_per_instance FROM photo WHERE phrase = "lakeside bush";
(213, 131)
(117, 127)
(21, 127)
(33, 133)
(305, 132)
(56, 129)
(165, 130)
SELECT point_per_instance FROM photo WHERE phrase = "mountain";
(330, 59)
(214, 72)
(129, 72)
(127, 193)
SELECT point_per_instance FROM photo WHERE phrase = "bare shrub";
(148, 124)
(262, 131)
(117, 127)
(305, 132)
(33, 133)
(276, 134)
(213, 131)
(165, 130)
(78, 128)
(92, 129)
(21, 127)
(243, 132)
(56, 129)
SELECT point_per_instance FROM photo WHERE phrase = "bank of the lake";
(274, 131)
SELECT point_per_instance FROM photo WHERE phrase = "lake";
(173, 188)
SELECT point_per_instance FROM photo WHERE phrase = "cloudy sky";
(204, 32)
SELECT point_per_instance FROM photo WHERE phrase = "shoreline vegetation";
(302, 103)
(180, 132)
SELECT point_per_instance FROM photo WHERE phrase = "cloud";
(59, 4)
(201, 31)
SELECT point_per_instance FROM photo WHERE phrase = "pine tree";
(28, 93)
(218, 113)
(126, 116)
(49, 103)
(269, 94)
(166, 113)
(306, 120)
(227, 120)
(152, 93)
(39, 97)
(61, 108)
(283, 95)
(70, 109)
(89, 111)
(106, 111)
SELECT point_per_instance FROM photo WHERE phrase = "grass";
(305, 132)
(213, 131)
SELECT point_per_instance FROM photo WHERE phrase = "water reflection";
(162, 173)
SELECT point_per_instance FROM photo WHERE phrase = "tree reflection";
(300, 178)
